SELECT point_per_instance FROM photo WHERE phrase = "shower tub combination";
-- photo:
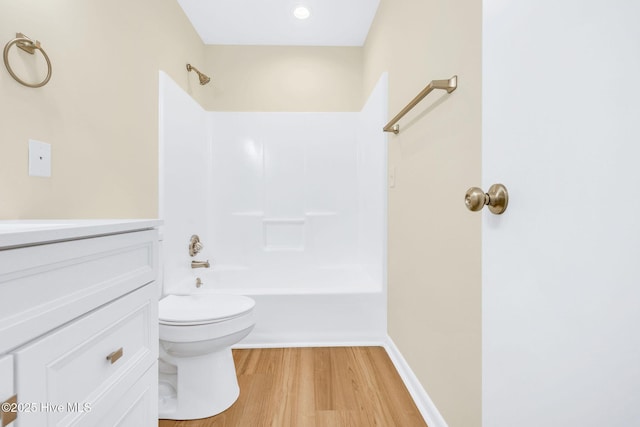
(290, 208)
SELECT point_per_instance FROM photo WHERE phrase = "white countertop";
(29, 232)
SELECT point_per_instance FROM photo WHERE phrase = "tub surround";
(79, 320)
(290, 208)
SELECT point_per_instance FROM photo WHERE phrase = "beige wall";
(99, 112)
(284, 78)
(434, 242)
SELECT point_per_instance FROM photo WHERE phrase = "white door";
(561, 267)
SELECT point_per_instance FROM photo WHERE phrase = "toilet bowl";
(197, 377)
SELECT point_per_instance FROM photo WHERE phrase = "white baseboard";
(287, 344)
(425, 405)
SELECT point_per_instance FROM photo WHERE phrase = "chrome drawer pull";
(113, 357)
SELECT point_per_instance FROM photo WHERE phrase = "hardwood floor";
(315, 387)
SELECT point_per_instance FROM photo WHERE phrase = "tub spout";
(200, 264)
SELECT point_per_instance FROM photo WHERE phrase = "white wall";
(561, 104)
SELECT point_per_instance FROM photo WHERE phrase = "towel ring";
(29, 46)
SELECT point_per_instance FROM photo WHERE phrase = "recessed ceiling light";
(301, 12)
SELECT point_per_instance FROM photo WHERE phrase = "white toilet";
(197, 373)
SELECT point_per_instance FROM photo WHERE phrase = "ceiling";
(271, 22)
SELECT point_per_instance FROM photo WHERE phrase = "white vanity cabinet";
(79, 323)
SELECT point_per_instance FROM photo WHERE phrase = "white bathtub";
(291, 280)
(297, 307)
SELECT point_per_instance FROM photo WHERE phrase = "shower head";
(204, 79)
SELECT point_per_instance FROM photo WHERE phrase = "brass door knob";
(497, 198)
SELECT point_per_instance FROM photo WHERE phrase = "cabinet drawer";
(68, 371)
(127, 405)
(46, 286)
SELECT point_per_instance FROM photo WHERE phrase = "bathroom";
(451, 317)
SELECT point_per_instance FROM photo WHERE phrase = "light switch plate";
(39, 158)
(392, 177)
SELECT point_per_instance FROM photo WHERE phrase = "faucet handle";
(194, 245)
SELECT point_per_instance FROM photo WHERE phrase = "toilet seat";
(189, 310)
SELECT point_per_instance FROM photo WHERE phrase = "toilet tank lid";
(203, 308)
